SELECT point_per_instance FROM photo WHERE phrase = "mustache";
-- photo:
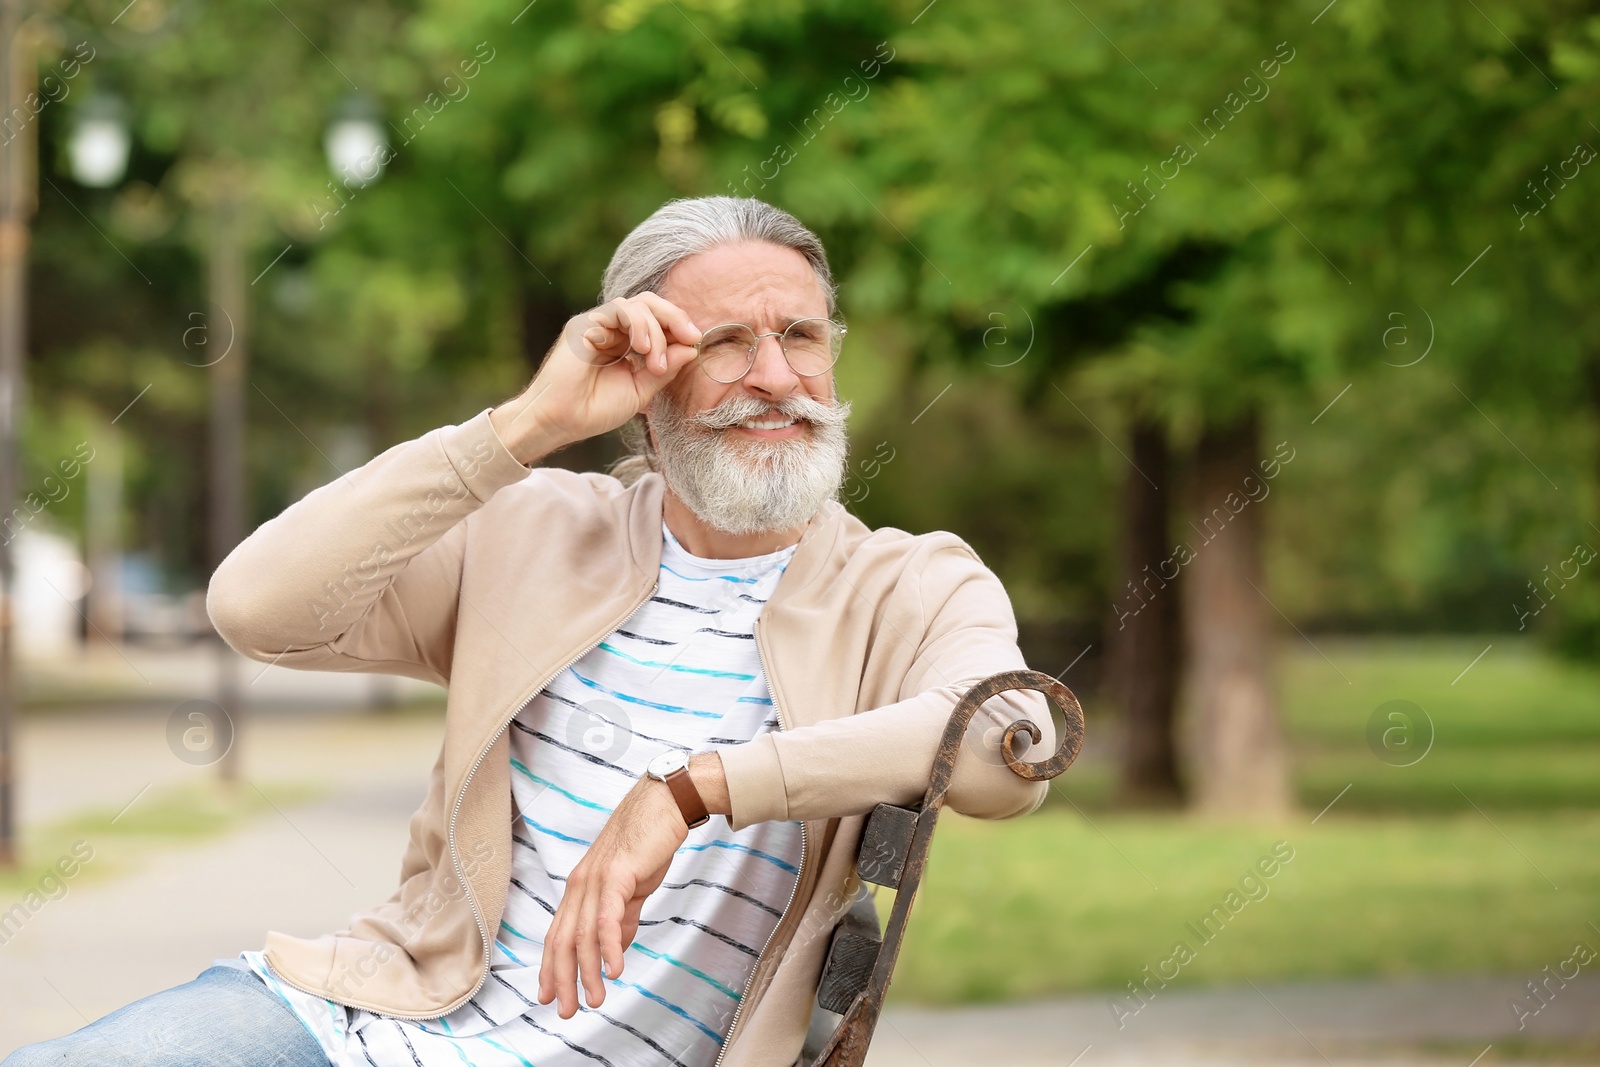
(737, 409)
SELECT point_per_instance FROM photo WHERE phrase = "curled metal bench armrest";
(894, 852)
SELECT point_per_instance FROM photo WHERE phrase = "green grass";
(1054, 903)
(1508, 1049)
(174, 816)
(1445, 866)
(1520, 730)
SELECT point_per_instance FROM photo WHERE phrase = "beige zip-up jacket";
(446, 559)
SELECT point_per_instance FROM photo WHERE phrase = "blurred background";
(1254, 346)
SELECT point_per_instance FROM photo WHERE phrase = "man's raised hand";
(606, 367)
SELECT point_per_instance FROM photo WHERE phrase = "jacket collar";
(645, 498)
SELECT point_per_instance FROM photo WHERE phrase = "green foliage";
(1186, 212)
(1022, 489)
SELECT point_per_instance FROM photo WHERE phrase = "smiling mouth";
(769, 422)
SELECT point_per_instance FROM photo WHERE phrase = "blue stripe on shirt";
(566, 793)
(673, 666)
(665, 1003)
(697, 972)
(741, 848)
(646, 703)
(712, 578)
(586, 709)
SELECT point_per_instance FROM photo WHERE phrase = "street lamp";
(97, 149)
(99, 143)
(355, 143)
(17, 203)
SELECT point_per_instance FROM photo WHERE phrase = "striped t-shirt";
(682, 672)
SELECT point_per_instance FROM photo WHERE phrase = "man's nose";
(770, 375)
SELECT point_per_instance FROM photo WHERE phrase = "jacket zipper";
(794, 889)
(450, 837)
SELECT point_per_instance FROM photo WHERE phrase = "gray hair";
(674, 232)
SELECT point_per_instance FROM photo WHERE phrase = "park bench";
(894, 850)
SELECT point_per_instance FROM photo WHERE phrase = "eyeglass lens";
(810, 345)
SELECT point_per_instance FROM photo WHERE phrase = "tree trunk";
(1240, 757)
(379, 402)
(1593, 369)
(1143, 642)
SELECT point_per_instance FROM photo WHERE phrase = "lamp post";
(17, 203)
(97, 150)
(352, 142)
(355, 145)
(228, 325)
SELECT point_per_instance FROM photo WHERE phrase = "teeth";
(767, 424)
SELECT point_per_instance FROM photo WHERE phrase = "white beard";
(750, 486)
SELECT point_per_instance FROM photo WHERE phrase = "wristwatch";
(672, 767)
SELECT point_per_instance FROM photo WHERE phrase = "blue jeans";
(227, 1017)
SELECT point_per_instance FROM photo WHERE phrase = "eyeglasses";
(810, 346)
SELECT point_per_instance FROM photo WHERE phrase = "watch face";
(667, 762)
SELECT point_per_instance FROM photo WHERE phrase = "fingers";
(658, 339)
(672, 317)
(630, 923)
(584, 933)
(588, 954)
(663, 373)
(547, 961)
(608, 930)
(633, 318)
(558, 978)
(555, 964)
(564, 975)
(605, 334)
(635, 322)
(657, 329)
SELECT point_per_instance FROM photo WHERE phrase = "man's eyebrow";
(784, 320)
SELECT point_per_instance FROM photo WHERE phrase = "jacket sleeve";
(364, 573)
(847, 766)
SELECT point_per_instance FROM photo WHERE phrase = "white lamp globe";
(99, 143)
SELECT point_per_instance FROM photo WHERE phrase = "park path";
(161, 913)
(1310, 1024)
(158, 918)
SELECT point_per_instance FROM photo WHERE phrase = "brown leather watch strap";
(688, 797)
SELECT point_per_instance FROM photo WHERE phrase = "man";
(674, 691)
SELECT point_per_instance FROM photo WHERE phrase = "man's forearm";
(523, 433)
(306, 576)
(848, 765)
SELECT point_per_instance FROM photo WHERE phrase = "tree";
(1005, 167)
